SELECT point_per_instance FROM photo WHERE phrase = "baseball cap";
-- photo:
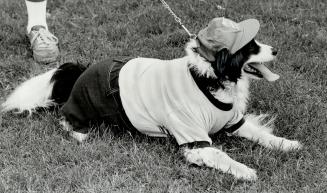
(225, 33)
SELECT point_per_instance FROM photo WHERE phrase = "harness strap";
(202, 144)
(217, 103)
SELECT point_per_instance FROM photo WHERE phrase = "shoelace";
(44, 37)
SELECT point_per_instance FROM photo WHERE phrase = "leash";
(177, 19)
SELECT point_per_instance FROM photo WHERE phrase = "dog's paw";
(245, 173)
(65, 126)
(192, 156)
(215, 158)
(289, 145)
(80, 137)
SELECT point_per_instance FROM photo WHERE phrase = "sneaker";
(44, 45)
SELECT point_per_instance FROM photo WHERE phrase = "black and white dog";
(188, 98)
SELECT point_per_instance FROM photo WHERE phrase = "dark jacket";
(95, 97)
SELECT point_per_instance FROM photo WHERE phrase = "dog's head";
(248, 61)
(232, 51)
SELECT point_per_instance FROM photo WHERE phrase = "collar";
(204, 52)
(203, 85)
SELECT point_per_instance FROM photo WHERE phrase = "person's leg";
(44, 44)
(36, 11)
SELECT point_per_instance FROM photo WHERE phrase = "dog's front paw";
(192, 156)
(245, 173)
(289, 145)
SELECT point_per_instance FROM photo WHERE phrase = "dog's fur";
(226, 77)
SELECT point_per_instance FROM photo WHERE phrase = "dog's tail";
(45, 90)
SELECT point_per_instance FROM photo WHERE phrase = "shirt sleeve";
(187, 131)
(236, 120)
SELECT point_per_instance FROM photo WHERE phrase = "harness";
(203, 86)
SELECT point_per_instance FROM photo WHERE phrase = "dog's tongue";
(266, 73)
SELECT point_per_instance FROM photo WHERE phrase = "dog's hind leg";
(79, 136)
(253, 129)
(215, 158)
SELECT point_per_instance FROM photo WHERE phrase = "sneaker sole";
(53, 56)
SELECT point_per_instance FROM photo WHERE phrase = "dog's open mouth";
(259, 70)
(252, 70)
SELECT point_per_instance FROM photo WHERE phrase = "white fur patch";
(33, 93)
(265, 54)
(257, 129)
(263, 121)
(215, 158)
(66, 126)
(242, 94)
(80, 137)
(202, 67)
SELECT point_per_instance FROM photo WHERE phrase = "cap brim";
(250, 28)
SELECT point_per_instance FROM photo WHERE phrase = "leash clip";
(193, 36)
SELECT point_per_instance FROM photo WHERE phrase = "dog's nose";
(274, 51)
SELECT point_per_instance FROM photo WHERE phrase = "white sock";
(36, 12)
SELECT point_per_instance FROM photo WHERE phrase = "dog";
(188, 98)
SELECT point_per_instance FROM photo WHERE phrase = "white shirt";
(162, 94)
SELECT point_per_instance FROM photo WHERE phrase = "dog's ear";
(220, 64)
(228, 66)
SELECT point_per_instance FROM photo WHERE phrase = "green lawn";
(35, 156)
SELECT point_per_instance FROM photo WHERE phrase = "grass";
(35, 156)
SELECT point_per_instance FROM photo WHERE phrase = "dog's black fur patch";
(63, 81)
